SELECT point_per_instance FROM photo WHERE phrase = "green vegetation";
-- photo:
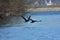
(10, 8)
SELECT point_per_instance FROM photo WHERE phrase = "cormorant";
(26, 20)
(29, 19)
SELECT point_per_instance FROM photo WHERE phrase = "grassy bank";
(45, 9)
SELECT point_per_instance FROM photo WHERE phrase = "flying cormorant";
(29, 19)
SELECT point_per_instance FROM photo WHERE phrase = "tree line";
(10, 8)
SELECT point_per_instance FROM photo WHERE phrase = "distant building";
(36, 4)
(50, 2)
(44, 3)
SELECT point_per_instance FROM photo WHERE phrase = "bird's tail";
(40, 20)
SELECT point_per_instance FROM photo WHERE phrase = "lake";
(47, 29)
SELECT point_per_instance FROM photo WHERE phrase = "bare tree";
(10, 8)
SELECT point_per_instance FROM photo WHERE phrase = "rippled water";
(48, 29)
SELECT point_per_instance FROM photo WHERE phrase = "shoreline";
(44, 9)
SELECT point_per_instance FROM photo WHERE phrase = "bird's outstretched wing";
(29, 17)
(24, 18)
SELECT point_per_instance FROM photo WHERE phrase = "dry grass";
(45, 9)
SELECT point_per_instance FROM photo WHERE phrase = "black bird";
(29, 18)
(33, 21)
(26, 20)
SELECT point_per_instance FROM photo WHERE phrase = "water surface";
(48, 29)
